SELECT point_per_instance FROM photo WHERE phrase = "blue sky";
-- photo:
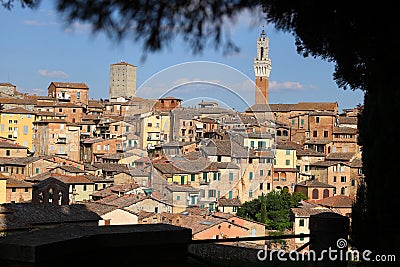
(38, 48)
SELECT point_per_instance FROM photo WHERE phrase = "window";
(230, 194)
(84, 187)
(60, 110)
(26, 190)
(316, 119)
(205, 176)
(315, 193)
(250, 194)
(326, 134)
(334, 179)
(211, 193)
(306, 168)
(287, 162)
(302, 121)
(25, 131)
(268, 186)
(9, 121)
(325, 193)
(214, 176)
(287, 152)
(115, 127)
(14, 190)
(261, 186)
(353, 182)
(126, 128)
(261, 172)
(301, 222)
(250, 176)
(219, 176)
(269, 172)
(37, 170)
(8, 152)
(293, 121)
(62, 126)
(192, 177)
(252, 144)
(302, 238)
(298, 168)
(149, 124)
(342, 191)
(231, 176)
(73, 110)
(78, 95)
(178, 197)
(315, 134)
(343, 179)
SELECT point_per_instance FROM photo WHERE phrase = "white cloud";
(283, 86)
(53, 73)
(33, 22)
(78, 27)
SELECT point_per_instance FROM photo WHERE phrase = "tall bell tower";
(262, 68)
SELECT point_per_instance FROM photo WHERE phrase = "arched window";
(342, 191)
(326, 193)
(278, 133)
(50, 199)
(315, 193)
(60, 195)
(285, 133)
(262, 53)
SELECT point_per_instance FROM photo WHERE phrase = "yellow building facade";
(155, 129)
(17, 124)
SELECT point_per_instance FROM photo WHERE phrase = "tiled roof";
(22, 161)
(346, 156)
(11, 182)
(145, 214)
(344, 130)
(123, 201)
(229, 202)
(199, 223)
(307, 209)
(317, 142)
(70, 169)
(98, 208)
(5, 144)
(112, 167)
(324, 163)
(347, 120)
(17, 110)
(29, 215)
(356, 163)
(79, 179)
(182, 188)
(17, 101)
(314, 183)
(70, 85)
(338, 201)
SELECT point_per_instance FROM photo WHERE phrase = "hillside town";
(132, 160)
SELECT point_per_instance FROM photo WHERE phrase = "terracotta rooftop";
(11, 182)
(70, 85)
(338, 201)
(344, 130)
(17, 110)
(229, 202)
(345, 156)
(307, 209)
(98, 208)
(6, 144)
(314, 183)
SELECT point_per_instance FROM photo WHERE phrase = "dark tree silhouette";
(359, 37)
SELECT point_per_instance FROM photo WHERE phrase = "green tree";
(273, 209)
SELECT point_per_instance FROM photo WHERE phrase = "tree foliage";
(272, 209)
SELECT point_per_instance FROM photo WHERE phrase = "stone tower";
(262, 68)
(122, 80)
